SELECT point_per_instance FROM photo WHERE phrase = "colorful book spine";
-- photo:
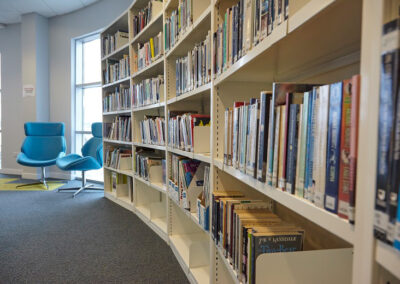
(387, 101)
(309, 152)
(282, 148)
(292, 147)
(270, 150)
(344, 168)
(265, 100)
(355, 100)
(276, 147)
(333, 147)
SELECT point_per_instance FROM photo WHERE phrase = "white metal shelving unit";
(322, 41)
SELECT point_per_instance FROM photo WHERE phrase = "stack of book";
(181, 18)
(149, 91)
(244, 228)
(118, 158)
(387, 209)
(116, 69)
(145, 15)
(243, 26)
(150, 166)
(119, 100)
(148, 52)
(194, 70)
(301, 139)
(186, 181)
(113, 42)
(189, 132)
(119, 129)
(152, 130)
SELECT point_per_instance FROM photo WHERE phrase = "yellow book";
(152, 47)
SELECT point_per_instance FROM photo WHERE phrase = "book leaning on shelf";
(148, 52)
(118, 158)
(119, 100)
(243, 26)
(116, 69)
(177, 23)
(145, 15)
(244, 228)
(119, 129)
(149, 166)
(300, 138)
(203, 201)
(149, 91)
(152, 130)
(189, 132)
(186, 181)
(194, 70)
(113, 42)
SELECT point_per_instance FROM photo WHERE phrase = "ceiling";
(11, 10)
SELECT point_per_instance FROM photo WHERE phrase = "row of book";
(244, 228)
(118, 158)
(300, 138)
(186, 180)
(194, 70)
(119, 100)
(149, 91)
(145, 15)
(116, 69)
(387, 209)
(152, 129)
(148, 52)
(189, 132)
(243, 26)
(175, 25)
(110, 43)
(119, 129)
(151, 166)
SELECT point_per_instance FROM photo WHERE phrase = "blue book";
(333, 147)
(293, 136)
(397, 229)
(309, 148)
(265, 104)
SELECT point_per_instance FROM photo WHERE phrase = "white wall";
(11, 97)
(62, 29)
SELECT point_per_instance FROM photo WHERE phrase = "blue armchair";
(91, 159)
(44, 143)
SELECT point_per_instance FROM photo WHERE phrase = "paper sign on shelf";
(28, 91)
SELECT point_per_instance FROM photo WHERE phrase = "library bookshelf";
(321, 41)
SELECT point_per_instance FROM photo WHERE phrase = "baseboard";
(30, 176)
(11, 171)
(60, 175)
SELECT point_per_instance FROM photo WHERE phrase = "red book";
(344, 167)
(355, 104)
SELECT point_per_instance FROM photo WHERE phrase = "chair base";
(83, 187)
(42, 181)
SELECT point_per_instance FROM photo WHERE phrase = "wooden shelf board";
(161, 223)
(112, 84)
(118, 53)
(159, 187)
(329, 221)
(193, 34)
(193, 94)
(147, 107)
(122, 202)
(116, 141)
(150, 30)
(201, 157)
(117, 112)
(388, 257)
(124, 172)
(153, 69)
(219, 164)
(157, 147)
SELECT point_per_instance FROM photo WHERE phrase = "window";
(87, 99)
(0, 113)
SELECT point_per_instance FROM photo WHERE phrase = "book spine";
(310, 161)
(276, 147)
(387, 99)
(302, 149)
(270, 149)
(282, 148)
(298, 154)
(308, 166)
(292, 148)
(333, 147)
(226, 136)
(355, 99)
(344, 167)
(262, 136)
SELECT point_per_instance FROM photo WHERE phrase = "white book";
(321, 157)
(248, 25)
(317, 143)
(255, 115)
(276, 146)
(235, 138)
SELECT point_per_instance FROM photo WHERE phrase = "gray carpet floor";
(49, 237)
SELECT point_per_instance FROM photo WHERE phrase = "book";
(276, 147)
(251, 165)
(282, 147)
(294, 118)
(263, 130)
(309, 150)
(333, 147)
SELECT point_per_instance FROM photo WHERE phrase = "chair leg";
(83, 186)
(41, 181)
